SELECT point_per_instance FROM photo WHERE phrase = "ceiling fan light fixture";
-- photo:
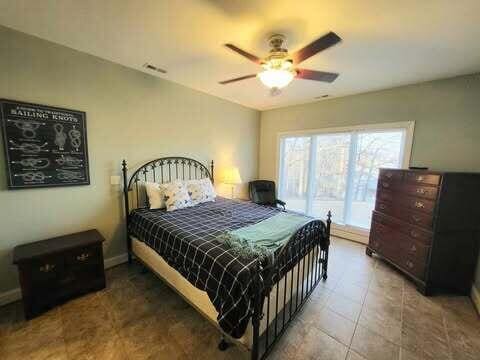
(276, 78)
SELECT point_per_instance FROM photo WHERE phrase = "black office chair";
(263, 192)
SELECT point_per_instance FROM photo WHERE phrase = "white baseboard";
(349, 235)
(16, 294)
(10, 296)
(475, 295)
(115, 260)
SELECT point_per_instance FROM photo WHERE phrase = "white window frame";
(347, 231)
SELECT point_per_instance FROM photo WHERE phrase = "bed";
(251, 301)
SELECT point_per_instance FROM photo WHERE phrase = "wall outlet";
(115, 180)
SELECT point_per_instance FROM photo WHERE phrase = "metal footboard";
(306, 252)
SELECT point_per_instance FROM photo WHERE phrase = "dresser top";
(55, 245)
(436, 172)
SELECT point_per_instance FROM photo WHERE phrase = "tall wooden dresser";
(427, 224)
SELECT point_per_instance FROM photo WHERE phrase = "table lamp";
(232, 177)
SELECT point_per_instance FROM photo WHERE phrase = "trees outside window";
(337, 171)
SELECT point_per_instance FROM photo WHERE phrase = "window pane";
(331, 165)
(374, 150)
(294, 177)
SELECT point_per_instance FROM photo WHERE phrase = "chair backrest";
(262, 192)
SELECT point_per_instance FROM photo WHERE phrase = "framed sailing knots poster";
(44, 146)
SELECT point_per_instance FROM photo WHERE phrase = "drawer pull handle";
(409, 264)
(83, 257)
(47, 268)
(421, 191)
(382, 206)
(414, 234)
(419, 178)
(385, 184)
(413, 248)
(416, 218)
(419, 204)
(389, 175)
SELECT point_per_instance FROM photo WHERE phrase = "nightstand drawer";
(45, 271)
(84, 256)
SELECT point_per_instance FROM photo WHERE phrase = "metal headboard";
(160, 170)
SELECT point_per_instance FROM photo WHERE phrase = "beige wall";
(446, 114)
(129, 115)
(139, 117)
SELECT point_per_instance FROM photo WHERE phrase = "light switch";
(115, 180)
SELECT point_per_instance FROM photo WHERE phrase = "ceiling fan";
(280, 66)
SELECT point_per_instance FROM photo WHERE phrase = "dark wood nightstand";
(54, 270)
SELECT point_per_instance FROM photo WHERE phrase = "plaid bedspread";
(186, 240)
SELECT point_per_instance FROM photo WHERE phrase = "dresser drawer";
(427, 192)
(386, 185)
(385, 207)
(384, 246)
(420, 235)
(416, 218)
(413, 266)
(414, 249)
(413, 217)
(382, 234)
(397, 247)
(391, 175)
(406, 230)
(421, 178)
(417, 204)
(385, 196)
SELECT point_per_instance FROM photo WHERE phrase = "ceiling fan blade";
(316, 75)
(244, 53)
(237, 79)
(315, 47)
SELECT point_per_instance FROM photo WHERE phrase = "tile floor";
(365, 310)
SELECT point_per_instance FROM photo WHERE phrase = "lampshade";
(232, 176)
(276, 78)
(277, 74)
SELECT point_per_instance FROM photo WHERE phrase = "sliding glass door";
(338, 170)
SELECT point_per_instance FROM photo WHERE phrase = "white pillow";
(200, 191)
(156, 195)
(176, 196)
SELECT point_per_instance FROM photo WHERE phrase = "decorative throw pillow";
(155, 194)
(176, 196)
(201, 191)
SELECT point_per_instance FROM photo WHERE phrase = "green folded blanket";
(263, 238)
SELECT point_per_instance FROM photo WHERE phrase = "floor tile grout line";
(402, 309)
(446, 333)
(361, 309)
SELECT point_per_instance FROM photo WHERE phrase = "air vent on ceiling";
(154, 68)
(322, 96)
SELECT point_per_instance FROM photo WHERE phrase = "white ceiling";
(385, 43)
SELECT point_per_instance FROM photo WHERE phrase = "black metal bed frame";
(312, 240)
